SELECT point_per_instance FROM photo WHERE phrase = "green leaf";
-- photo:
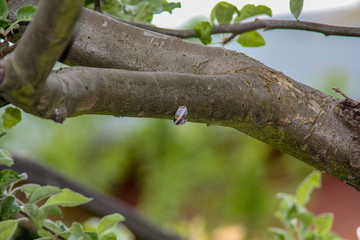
(46, 238)
(333, 236)
(44, 234)
(52, 226)
(108, 236)
(250, 10)
(108, 222)
(56, 227)
(36, 215)
(2, 131)
(308, 235)
(8, 227)
(306, 218)
(279, 234)
(289, 214)
(169, 6)
(67, 198)
(296, 7)
(41, 193)
(3, 9)
(292, 212)
(76, 232)
(26, 13)
(51, 210)
(323, 223)
(92, 235)
(136, 10)
(203, 31)
(287, 202)
(8, 207)
(8, 177)
(143, 11)
(11, 117)
(223, 12)
(288, 198)
(251, 39)
(3, 24)
(5, 158)
(305, 189)
(28, 189)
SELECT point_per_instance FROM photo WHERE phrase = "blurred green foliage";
(135, 10)
(299, 222)
(178, 172)
(335, 77)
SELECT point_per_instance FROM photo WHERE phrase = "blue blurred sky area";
(313, 58)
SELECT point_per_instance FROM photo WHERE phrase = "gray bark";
(135, 72)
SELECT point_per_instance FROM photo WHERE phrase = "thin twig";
(344, 95)
(266, 24)
(228, 39)
(97, 6)
(45, 228)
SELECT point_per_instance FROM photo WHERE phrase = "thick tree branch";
(40, 46)
(262, 103)
(102, 41)
(218, 86)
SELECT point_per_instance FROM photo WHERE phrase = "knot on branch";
(59, 115)
(349, 113)
(6, 48)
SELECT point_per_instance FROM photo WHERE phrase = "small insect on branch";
(181, 115)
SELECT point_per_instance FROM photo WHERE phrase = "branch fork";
(129, 71)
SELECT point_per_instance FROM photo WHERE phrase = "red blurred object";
(342, 200)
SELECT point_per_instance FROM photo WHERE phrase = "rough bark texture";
(101, 41)
(218, 86)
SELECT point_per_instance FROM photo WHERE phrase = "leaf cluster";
(136, 10)
(226, 13)
(298, 221)
(9, 118)
(41, 201)
(23, 14)
(296, 7)
(38, 213)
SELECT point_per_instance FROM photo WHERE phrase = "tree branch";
(137, 49)
(40, 47)
(238, 28)
(266, 24)
(218, 86)
(264, 104)
(97, 6)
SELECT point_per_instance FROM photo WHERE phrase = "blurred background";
(207, 182)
